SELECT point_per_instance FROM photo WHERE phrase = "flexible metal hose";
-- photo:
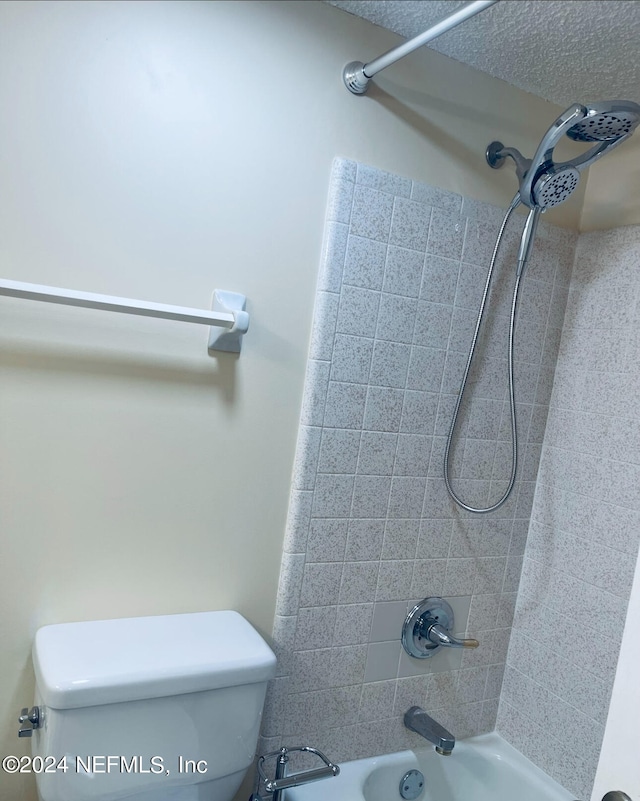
(514, 436)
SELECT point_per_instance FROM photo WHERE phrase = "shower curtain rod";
(228, 319)
(357, 75)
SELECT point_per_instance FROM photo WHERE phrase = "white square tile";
(383, 181)
(413, 455)
(338, 451)
(433, 323)
(439, 280)
(370, 497)
(403, 271)
(389, 364)
(320, 584)
(446, 234)
(376, 702)
(410, 224)
(359, 582)
(396, 318)
(327, 540)
(419, 411)
(426, 366)
(388, 617)
(383, 409)
(353, 623)
(364, 262)
(406, 498)
(364, 540)
(345, 404)
(400, 539)
(332, 496)
(357, 312)
(371, 213)
(351, 359)
(394, 580)
(382, 661)
(377, 453)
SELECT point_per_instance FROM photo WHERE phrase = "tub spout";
(417, 720)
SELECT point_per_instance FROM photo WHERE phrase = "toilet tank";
(148, 707)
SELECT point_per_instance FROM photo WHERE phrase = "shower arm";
(357, 75)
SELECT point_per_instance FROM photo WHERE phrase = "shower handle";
(440, 636)
(428, 627)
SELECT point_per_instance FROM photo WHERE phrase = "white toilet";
(148, 709)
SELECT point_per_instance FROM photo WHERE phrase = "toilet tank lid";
(110, 661)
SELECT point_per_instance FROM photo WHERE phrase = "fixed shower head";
(545, 183)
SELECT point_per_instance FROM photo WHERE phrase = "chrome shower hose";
(514, 436)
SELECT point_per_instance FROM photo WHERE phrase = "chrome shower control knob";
(427, 628)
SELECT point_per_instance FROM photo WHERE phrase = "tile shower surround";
(371, 529)
(585, 524)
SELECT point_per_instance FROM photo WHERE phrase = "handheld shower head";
(545, 183)
(542, 183)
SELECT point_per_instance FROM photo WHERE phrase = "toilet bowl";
(161, 708)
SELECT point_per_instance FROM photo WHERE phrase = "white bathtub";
(483, 768)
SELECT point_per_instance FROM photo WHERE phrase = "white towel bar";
(228, 318)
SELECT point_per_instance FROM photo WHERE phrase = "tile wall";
(585, 525)
(371, 529)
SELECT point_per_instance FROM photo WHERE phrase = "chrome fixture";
(543, 184)
(281, 781)
(427, 628)
(417, 720)
(615, 795)
(29, 720)
(357, 75)
(411, 785)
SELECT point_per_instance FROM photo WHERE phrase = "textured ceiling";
(562, 50)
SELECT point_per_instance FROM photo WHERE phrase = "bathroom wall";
(611, 198)
(585, 524)
(618, 764)
(158, 150)
(371, 529)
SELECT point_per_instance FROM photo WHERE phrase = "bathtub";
(483, 768)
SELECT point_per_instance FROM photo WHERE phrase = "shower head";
(545, 183)
(555, 186)
(606, 121)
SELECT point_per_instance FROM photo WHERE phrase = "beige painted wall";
(157, 150)
(612, 197)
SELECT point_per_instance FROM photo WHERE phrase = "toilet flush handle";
(29, 720)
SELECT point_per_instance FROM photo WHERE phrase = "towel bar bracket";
(229, 339)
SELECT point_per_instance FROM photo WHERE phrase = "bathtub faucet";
(417, 720)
